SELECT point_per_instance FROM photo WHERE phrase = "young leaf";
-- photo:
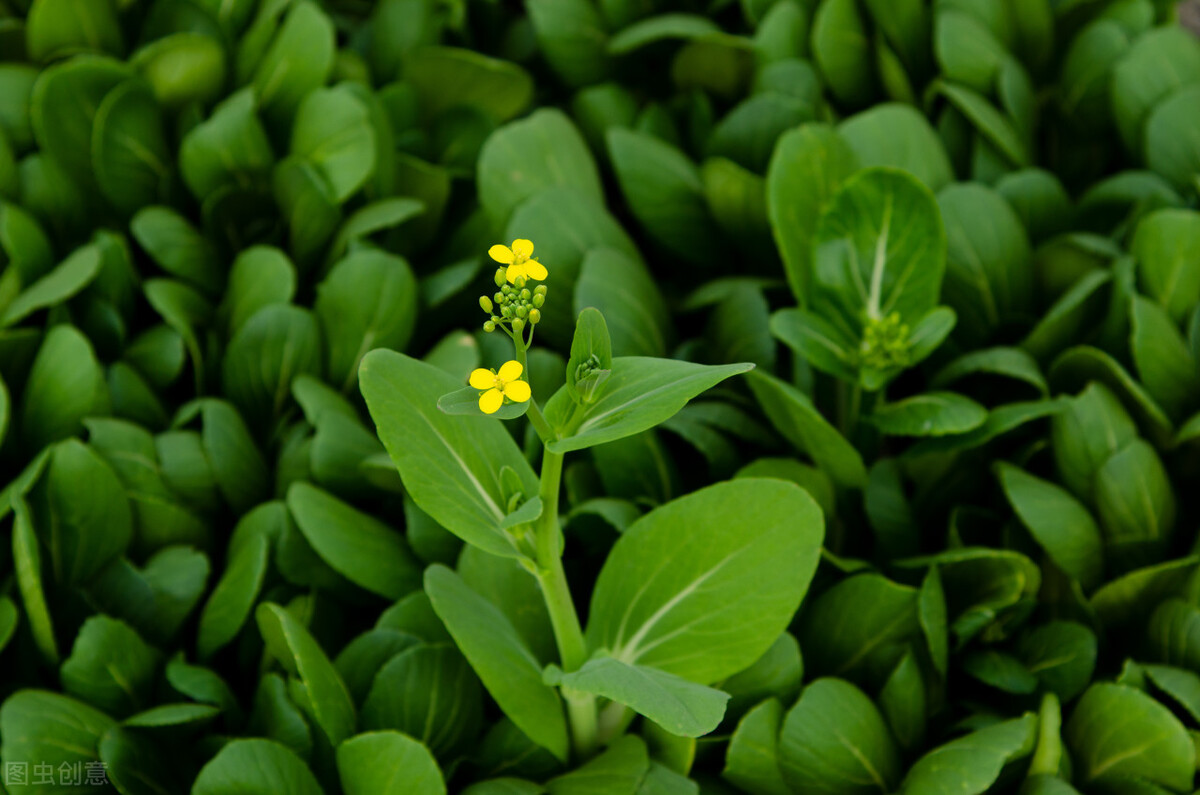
(681, 707)
(641, 393)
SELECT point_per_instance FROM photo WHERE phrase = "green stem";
(568, 634)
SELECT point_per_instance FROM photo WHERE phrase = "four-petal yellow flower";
(518, 261)
(504, 384)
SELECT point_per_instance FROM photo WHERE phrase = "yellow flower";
(504, 384)
(518, 261)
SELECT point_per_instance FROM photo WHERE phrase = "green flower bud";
(500, 278)
(539, 299)
(525, 294)
(495, 319)
(535, 316)
(489, 326)
(539, 290)
(522, 311)
(500, 299)
(485, 304)
(507, 289)
(519, 283)
(507, 312)
(518, 325)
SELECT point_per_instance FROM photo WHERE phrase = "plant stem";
(568, 634)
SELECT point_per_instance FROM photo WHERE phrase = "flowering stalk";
(513, 309)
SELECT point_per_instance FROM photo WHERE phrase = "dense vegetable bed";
(854, 346)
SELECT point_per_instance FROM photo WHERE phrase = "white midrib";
(631, 652)
(880, 260)
(466, 469)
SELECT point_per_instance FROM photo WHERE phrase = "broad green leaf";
(529, 155)
(182, 67)
(72, 275)
(797, 419)
(111, 667)
(368, 301)
(859, 628)
(1011, 363)
(659, 28)
(1164, 363)
(617, 771)
(681, 707)
(1136, 505)
(841, 49)
(332, 132)
(27, 563)
(502, 660)
(64, 385)
(929, 414)
(178, 247)
(430, 693)
(1164, 243)
(572, 37)
(1168, 149)
(1118, 730)
(879, 250)
(512, 588)
(994, 128)
(255, 767)
(229, 147)
(904, 703)
(971, 764)
(1183, 687)
(260, 276)
(63, 107)
(999, 670)
(56, 28)
(897, 135)
(1169, 634)
(641, 393)
(623, 290)
(296, 650)
(81, 512)
(41, 727)
(450, 465)
(665, 193)
(1157, 63)
(299, 60)
(1081, 365)
(1062, 654)
(355, 544)
(835, 741)
(752, 760)
(448, 77)
(591, 350)
(1058, 522)
(825, 346)
(807, 169)
(749, 530)
(277, 343)
(989, 263)
(966, 50)
(777, 673)
(130, 153)
(1121, 603)
(388, 763)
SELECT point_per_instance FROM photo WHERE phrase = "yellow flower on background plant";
(504, 384)
(518, 261)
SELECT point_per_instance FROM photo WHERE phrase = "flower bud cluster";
(885, 343)
(514, 304)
